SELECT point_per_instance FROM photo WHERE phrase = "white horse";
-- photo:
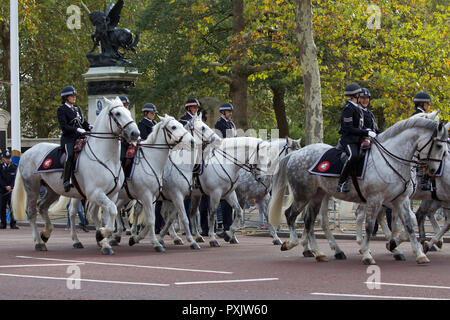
(248, 188)
(219, 177)
(99, 175)
(386, 180)
(140, 183)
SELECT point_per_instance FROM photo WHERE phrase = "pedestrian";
(83, 222)
(7, 178)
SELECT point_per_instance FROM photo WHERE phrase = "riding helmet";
(365, 92)
(68, 91)
(225, 106)
(149, 107)
(124, 99)
(191, 103)
(422, 97)
(352, 89)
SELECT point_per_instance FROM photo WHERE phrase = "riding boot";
(343, 179)
(67, 176)
(425, 183)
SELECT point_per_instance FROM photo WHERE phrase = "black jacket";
(185, 118)
(146, 127)
(352, 124)
(70, 119)
(418, 110)
(7, 176)
(370, 122)
(223, 125)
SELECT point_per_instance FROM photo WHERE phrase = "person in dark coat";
(192, 106)
(124, 144)
(7, 177)
(352, 131)
(422, 102)
(227, 129)
(73, 125)
(148, 122)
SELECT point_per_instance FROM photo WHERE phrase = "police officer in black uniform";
(73, 125)
(227, 130)
(369, 119)
(124, 144)
(422, 102)
(147, 123)
(192, 106)
(7, 177)
(352, 130)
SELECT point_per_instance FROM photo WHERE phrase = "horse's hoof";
(423, 260)
(439, 244)
(392, 245)
(107, 251)
(214, 243)
(178, 242)
(44, 238)
(369, 261)
(308, 254)
(128, 233)
(399, 257)
(284, 246)
(277, 242)
(159, 249)
(98, 236)
(78, 245)
(234, 240)
(226, 237)
(131, 242)
(195, 246)
(118, 238)
(340, 256)
(113, 243)
(425, 247)
(321, 258)
(40, 247)
(361, 250)
(200, 239)
(433, 248)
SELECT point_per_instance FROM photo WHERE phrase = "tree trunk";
(239, 78)
(311, 74)
(6, 71)
(280, 110)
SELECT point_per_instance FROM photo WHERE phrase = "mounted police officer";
(224, 124)
(148, 122)
(123, 143)
(192, 106)
(7, 177)
(352, 130)
(369, 119)
(422, 102)
(73, 125)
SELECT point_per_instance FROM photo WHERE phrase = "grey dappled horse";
(249, 188)
(146, 181)
(203, 136)
(99, 156)
(218, 180)
(382, 183)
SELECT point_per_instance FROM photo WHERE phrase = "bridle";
(433, 139)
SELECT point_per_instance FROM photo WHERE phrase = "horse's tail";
(278, 191)
(19, 198)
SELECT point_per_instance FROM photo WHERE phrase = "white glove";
(372, 134)
(80, 130)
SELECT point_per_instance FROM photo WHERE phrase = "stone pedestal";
(108, 82)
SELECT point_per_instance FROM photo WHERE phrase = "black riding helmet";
(124, 100)
(226, 106)
(150, 107)
(365, 92)
(352, 89)
(422, 97)
(191, 103)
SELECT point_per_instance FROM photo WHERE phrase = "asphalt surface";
(254, 269)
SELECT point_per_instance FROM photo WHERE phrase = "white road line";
(408, 285)
(41, 265)
(128, 265)
(85, 280)
(372, 296)
(225, 281)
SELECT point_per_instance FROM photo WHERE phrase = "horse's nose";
(135, 134)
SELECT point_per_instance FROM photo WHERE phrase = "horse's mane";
(152, 136)
(415, 122)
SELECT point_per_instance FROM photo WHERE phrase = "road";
(254, 269)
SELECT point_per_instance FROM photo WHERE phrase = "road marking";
(41, 265)
(85, 280)
(226, 281)
(128, 265)
(372, 296)
(408, 285)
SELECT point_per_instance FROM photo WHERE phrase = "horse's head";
(175, 133)
(120, 120)
(433, 149)
(261, 158)
(202, 134)
(434, 115)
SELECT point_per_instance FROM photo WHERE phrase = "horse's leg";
(370, 212)
(291, 217)
(118, 235)
(109, 212)
(195, 201)
(32, 196)
(149, 208)
(338, 253)
(73, 211)
(311, 213)
(438, 236)
(404, 213)
(137, 212)
(233, 201)
(264, 205)
(214, 200)
(43, 205)
(359, 213)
